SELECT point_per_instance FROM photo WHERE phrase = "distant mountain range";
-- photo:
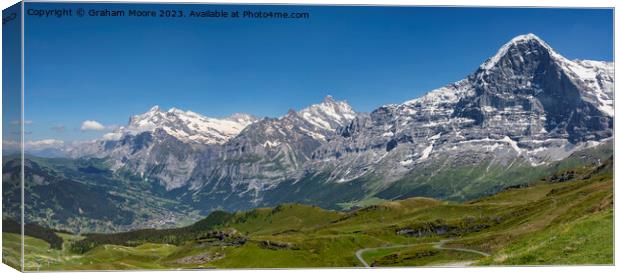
(524, 112)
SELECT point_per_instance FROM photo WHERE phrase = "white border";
(477, 3)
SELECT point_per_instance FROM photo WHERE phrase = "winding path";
(440, 244)
(359, 253)
(437, 245)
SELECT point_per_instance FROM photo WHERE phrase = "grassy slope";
(11, 250)
(420, 255)
(448, 179)
(551, 222)
(584, 241)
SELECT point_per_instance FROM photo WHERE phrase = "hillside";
(565, 218)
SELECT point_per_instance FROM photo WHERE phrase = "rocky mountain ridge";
(520, 112)
(526, 102)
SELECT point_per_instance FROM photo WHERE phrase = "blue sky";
(106, 69)
(11, 74)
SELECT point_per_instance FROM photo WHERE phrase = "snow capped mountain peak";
(175, 110)
(516, 51)
(242, 118)
(187, 126)
(524, 54)
(329, 114)
(291, 112)
(530, 41)
(527, 38)
(155, 108)
(329, 99)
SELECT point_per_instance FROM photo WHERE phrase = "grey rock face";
(239, 154)
(532, 78)
(270, 151)
(155, 156)
(164, 146)
(527, 103)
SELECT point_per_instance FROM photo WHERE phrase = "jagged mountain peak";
(522, 46)
(329, 114)
(526, 37)
(329, 99)
(509, 59)
(529, 38)
(155, 108)
(526, 101)
(291, 112)
(186, 125)
(175, 110)
(526, 65)
(242, 118)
